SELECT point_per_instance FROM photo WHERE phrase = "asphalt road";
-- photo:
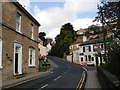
(66, 75)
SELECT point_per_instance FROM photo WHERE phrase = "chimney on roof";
(84, 38)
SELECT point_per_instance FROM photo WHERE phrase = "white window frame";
(31, 31)
(33, 57)
(18, 23)
(0, 53)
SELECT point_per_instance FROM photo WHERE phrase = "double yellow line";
(82, 81)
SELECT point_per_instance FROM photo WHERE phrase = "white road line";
(43, 86)
(51, 72)
(57, 78)
(65, 72)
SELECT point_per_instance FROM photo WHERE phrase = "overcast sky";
(52, 14)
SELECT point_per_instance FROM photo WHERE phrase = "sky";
(52, 14)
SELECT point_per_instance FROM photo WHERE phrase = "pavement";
(92, 79)
(29, 77)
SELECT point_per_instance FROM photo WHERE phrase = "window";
(31, 31)
(83, 49)
(89, 48)
(18, 22)
(81, 58)
(102, 46)
(89, 57)
(31, 57)
(0, 53)
(86, 58)
(77, 46)
(92, 58)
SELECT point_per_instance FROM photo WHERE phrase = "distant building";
(91, 52)
(49, 46)
(18, 41)
(74, 51)
(81, 31)
(42, 51)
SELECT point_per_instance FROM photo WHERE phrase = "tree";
(63, 40)
(95, 29)
(42, 37)
(109, 15)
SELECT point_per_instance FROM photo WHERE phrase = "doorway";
(17, 59)
(0, 53)
(96, 61)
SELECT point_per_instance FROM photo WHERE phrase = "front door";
(16, 62)
(17, 59)
(0, 53)
(96, 60)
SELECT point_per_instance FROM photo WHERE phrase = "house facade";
(18, 41)
(42, 51)
(91, 52)
(74, 52)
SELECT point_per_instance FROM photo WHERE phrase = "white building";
(89, 52)
(48, 47)
(74, 52)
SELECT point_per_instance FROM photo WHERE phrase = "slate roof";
(94, 41)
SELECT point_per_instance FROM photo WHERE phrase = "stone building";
(18, 41)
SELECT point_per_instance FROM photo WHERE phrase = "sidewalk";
(14, 82)
(92, 80)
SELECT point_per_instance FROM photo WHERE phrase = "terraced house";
(18, 41)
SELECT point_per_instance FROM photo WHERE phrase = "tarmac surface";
(91, 81)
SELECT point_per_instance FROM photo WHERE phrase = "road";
(66, 75)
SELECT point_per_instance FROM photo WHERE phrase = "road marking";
(57, 78)
(65, 73)
(68, 70)
(51, 72)
(84, 69)
(43, 86)
(82, 80)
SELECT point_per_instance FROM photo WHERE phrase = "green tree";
(109, 15)
(42, 37)
(94, 29)
(63, 41)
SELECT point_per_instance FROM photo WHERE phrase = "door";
(17, 59)
(96, 60)
(0, 53)
(16, 62)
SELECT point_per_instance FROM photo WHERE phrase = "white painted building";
(48, 47)
(74, 52)
(88, 52)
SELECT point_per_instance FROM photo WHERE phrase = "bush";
(113, 63)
